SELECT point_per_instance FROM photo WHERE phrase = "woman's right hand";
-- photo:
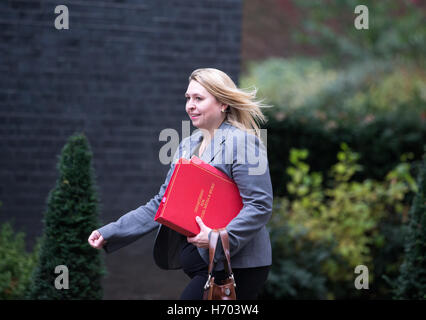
(96, 240)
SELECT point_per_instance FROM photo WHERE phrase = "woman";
(226, 117)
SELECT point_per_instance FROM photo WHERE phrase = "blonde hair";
(243, 108)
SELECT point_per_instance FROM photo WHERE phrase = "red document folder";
(195, 189)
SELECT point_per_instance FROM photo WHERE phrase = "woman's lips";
(193, 116)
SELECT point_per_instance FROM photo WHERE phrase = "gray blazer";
(243, 157)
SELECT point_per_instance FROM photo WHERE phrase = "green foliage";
(288, 84)
(72, 213)
(339, 96)
(411, 283)
(16, 264)
(396, 28)
(331, 230)
(296, 261)
(379, 144)
(367, 88)
(378, 107)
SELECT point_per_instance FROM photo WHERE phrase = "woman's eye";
(196, 98)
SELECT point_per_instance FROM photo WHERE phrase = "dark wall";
(119, 75)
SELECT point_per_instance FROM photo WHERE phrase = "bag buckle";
(231, 276)
(207, 285)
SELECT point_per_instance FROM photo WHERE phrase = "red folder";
(195, 189)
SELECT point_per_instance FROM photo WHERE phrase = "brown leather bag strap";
(225, 245)
(214, 236)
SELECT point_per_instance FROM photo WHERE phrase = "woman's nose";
(191, 104)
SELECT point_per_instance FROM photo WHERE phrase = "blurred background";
(346, 135)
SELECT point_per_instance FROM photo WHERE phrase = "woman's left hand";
(201, 240)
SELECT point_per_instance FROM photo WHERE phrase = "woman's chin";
(195, 123)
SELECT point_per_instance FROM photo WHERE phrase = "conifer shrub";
(71, 215)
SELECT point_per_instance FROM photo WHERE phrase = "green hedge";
(16, 264)
(380, 143)
(320, 234)
(411, 283)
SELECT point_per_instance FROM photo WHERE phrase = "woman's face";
(203, 108)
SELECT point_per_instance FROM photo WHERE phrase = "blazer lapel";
(213, 147)
(194, 140)
(216, 143)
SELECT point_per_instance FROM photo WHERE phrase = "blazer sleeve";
(136, 223)
(250, 171)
